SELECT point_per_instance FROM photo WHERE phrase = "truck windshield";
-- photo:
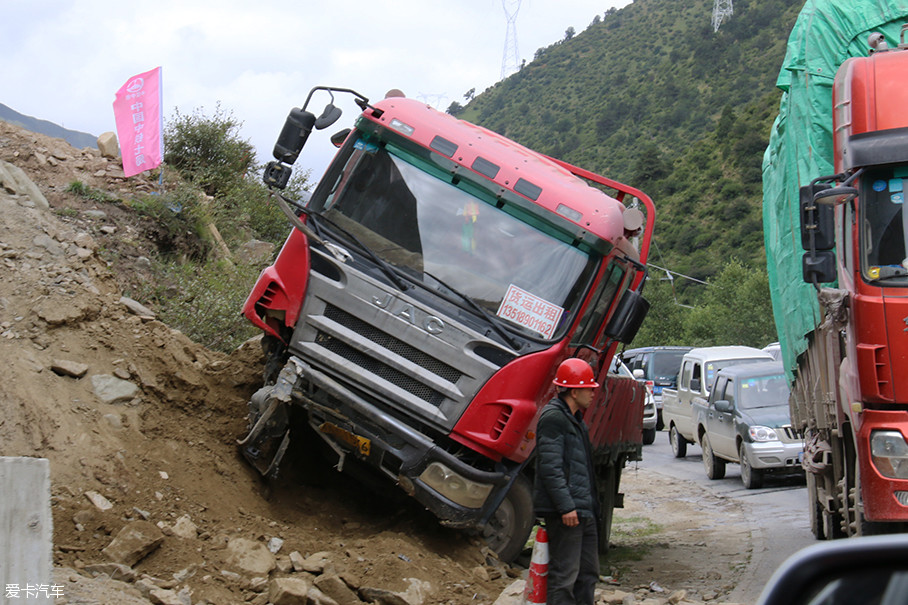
(883, 226)
(763, 392)
(437, 233)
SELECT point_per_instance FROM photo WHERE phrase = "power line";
(671, 273)
(670, 277)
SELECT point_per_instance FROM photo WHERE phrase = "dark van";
(658, 368)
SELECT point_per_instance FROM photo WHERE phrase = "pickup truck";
(746, 420)
(698, 371)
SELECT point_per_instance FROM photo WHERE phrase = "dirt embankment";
(139, 424)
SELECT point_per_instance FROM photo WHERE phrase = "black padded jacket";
(565, 479)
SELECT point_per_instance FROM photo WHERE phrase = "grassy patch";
(203, 301)
(632, 539)
(634, 527)
(84, 191)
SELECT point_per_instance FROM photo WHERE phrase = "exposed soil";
(170, 451)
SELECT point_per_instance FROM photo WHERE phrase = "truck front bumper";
(884, 498)
(403, 453)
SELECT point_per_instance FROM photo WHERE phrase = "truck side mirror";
(819, 267)
(694, 384)
(293, 136)
(628, 316)
(836, 195)
(338, 138)
(638, 374)
(329, 116)
(817, 220)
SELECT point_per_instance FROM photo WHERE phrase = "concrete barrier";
(26, 532)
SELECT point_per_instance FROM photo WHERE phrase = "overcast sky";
(63, 60)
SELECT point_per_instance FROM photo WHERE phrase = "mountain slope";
(650, 95)
(77, 139)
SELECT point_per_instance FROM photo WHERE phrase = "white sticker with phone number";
(530, 311)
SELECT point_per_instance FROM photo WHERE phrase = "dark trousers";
(573, 561)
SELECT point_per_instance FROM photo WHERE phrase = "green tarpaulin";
(800, 146)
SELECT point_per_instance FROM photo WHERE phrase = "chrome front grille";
(383, 371)
(792, 434)
(365, 362)
(394, 349)
(386, 341)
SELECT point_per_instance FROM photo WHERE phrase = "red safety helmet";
(575, 374)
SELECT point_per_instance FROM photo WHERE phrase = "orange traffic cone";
(539, 570)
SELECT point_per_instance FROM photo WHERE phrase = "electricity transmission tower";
(509, 61)
(435, 100)
(722, 10)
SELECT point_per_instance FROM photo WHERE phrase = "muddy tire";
(815, 509)
(679, 445)
(509, 528)
(714, 466)
(750, 477)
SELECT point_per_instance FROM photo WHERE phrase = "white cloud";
(63, 60)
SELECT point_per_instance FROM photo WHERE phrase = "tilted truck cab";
(433, 282)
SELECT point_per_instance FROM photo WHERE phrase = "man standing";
(565, 494)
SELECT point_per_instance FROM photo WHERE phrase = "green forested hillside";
(651, 96)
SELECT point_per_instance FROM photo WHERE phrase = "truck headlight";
(762, 434)
(889, 454)
(455, 487)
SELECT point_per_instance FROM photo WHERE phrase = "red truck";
(433, 282)
(850, 387)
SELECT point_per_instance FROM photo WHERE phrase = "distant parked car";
(746, 420)
(774, 349)
(657, 367)
(649, 404)
(698, 372)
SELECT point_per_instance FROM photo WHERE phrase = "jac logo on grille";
(409, 313)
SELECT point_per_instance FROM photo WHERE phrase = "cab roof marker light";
(402, 127)
(569, 213)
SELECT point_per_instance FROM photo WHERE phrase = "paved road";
(780, 526)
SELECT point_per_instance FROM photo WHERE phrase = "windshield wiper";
(386, 268)
(479, 309)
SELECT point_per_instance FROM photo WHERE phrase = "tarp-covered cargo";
(826, 33)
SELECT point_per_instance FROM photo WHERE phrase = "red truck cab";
(435, 279)
(870, 132)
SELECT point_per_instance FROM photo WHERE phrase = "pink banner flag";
(138, 112)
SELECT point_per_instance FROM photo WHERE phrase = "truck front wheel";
(509, 528)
